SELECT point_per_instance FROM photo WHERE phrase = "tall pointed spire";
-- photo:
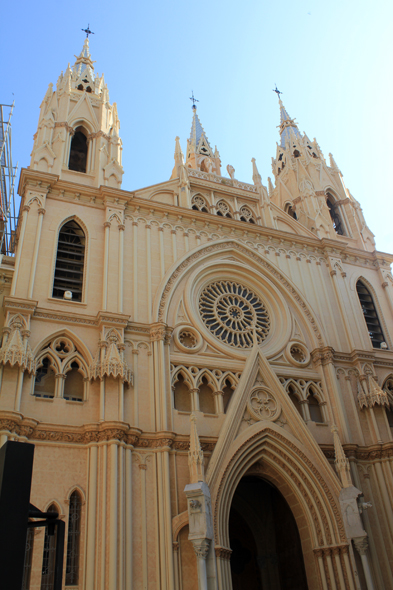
(195, 454)
(200, 155)
(84, 62)
(287, 125)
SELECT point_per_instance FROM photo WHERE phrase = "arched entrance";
(264, 538)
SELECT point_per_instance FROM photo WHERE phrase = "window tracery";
(198, 203)
(307, 397)
(232, 312)
(223, 209)
(70, 260)
(61, 371)
(370, 315)
(246, 214)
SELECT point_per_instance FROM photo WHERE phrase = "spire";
(84, 63)
(287, 125)
(179, 159)
(341, 462)
(198, 139)
(256, 177)
(195, 454)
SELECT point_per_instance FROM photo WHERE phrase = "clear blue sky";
(332, 60)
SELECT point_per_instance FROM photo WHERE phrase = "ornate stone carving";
(15, 348)
(370, 394)
(223, 553)
(201, 547)
(109, 361)
(262, 404)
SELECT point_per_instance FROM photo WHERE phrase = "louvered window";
(70, 261)
(370, 315)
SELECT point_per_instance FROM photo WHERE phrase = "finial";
(195, 454)
(277, 91)
(87, 31)
(341, 462)
(194, 100)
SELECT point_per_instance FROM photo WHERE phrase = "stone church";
(205, 366)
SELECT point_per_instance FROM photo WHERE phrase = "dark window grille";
(78, 151)
(70, 261)
(74, 528)
(370, 315)
(28, 559)
(49, 556)
(335, 216)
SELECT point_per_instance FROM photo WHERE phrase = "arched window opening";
(246, 215)
(45, 380)
(294, 399)
(28, 559)
(199, 204)
(80, 87)
(228, 392)
(73, 387)
(73, 540)
(70, 261)
(370, 315)
(78, 151)
(296, 154)
(206, 398)
(290, 211)
(88, 89)
(314, 408)
(182, 395)
(49, 556)
(223, 209)
(335, 216)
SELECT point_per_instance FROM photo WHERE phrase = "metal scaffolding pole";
(8, 212)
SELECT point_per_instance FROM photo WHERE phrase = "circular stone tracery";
(231, 312)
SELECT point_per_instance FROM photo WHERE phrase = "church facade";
(205, 366)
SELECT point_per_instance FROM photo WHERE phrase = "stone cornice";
(359, 453)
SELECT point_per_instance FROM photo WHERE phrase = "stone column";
(201, 548)
(361, 544)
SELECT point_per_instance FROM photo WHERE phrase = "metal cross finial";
(194, 100)
(87, 31)
(277, 91)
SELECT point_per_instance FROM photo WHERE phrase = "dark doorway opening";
(265, 542)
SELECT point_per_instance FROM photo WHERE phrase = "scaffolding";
(8, 210)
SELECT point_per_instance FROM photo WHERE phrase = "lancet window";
(198, 203)
(370, 315)
(61, 372)
(73, 540)
(70, 260)
(49, 555)
(78, 151)
(308, 399)
(288, 209)
(246, 214)
(223, 209)
(203, 390)
(335, 215)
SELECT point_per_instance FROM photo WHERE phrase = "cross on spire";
(87, 31)
(277, 91)
(194, 100)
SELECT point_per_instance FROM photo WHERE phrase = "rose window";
(232, 312)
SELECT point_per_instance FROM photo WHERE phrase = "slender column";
(327, 553)
(168, 519)
(336, 555)
(121, 400)
(104, 476)
(186, 242)
(19, 390)
(128, 518)
(41, 213)
(107, 227)
(194, 400)
(148, 271)
(201, 548)
(135, 353)
(162, 251)
(174, 245)
(361, 545)
(385, 496)
(121, 536)
(91, 519)
(219, 402)
(25, 211)
(135, 269)
(329, 307)
(319, 555)
(344, 315)
(143, 468)
(113, 536)
(121, 269)
(102, 399)
(176, 564)
(347, 563)
(161, 523)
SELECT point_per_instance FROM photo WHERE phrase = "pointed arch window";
(78, 151)
(198, 203)
(45, 379)
(206, 398)
(370, 315)
(73, 540)
(223, 209)
(49, 556)
(70, 260)
(227, 391)
(182, 394)
(246, 214)
(74, 385)
(335, 215)
(288, 209)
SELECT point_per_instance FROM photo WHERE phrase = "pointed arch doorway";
(264, 538)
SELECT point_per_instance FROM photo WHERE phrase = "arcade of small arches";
(245, 213)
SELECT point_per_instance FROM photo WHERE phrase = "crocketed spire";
(288, 126)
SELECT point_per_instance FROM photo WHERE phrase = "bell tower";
(312, 191)
(78, 129)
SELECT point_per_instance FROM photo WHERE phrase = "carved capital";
(223, 553)
(201, 547)
(361, 544)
